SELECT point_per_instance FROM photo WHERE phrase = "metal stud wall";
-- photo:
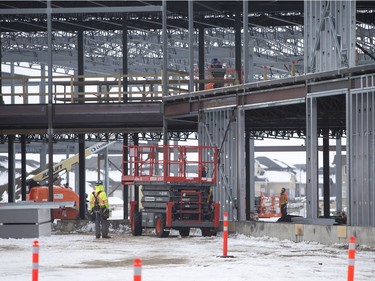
(225, 129)
(361, 111)
(329, 35)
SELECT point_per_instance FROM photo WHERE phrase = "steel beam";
(85, 10)
(74, 116)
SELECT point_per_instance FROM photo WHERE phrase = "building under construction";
(225, 73)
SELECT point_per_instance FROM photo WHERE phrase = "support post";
(23, 167)
(11, 169)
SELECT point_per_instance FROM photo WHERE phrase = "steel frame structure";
(328, 26)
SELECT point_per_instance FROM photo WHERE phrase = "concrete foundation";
(324, 234)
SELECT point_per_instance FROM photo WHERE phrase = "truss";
(102, 137)
(274, 47)
(277, 36)
(290, 134)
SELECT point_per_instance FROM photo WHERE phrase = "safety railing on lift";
(184, 164)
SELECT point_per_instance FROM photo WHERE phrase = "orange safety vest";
(283, 199)
(101, 197)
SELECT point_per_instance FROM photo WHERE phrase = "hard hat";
(99, 182)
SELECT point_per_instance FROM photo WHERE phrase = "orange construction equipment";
(40, 192)
(173, 188)
(268, 206)
(60, 194)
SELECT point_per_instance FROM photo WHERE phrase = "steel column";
(82, 175)
(106, 170)
(237, 44)
(326, 176)
(191, 45)
(339, 184)
(23, 167)
(125, 168)
(246, 42)
(165, 49)
(201, 57)
(124, 58)
(11, 169)
(50, 103)
(241, 164)
(312, 182)
(80, 60)
(251, 180)
(125, 156)
(12, 86)
(165, 67)
(248, 207)
(42, 86)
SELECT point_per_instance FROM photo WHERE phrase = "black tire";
(213, 232)
(160, 226)
(206, 232)
(136, 226)
(184, 232)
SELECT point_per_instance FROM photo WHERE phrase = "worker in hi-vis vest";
(283, 201)
(100, 209)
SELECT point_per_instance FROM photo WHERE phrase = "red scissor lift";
(173, 188)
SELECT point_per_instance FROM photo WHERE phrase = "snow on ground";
(80, 256)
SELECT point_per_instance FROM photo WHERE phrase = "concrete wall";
(325, 234)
